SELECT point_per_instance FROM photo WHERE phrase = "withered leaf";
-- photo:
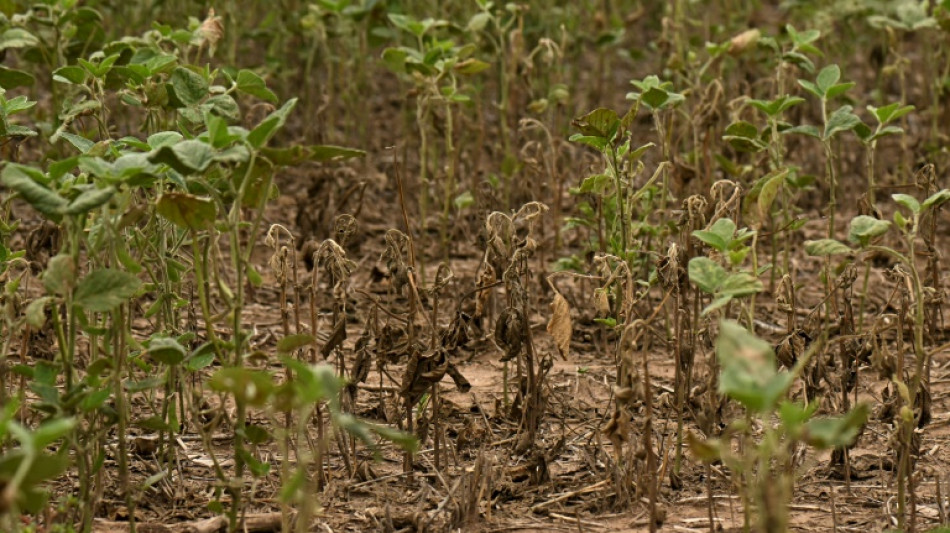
(336, 337)
(560, 324)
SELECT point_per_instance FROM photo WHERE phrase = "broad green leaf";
(252, 84)
(51, 431)
(598, 143)
(18, 104)
(740, 284)
(907, 201)
(187, 211)
(407, 441)
(79, 142)
(936, 199)
(706, 450)
(826, 247)
(36, 312)
(263, 132)
(771, 185)
(890, 112)
(832, 432)
(105, 289)
(60, 275)
(841, 120)
(189, 86)
(600, 122)
(706, 274)
(478, 22)
(17, 38)
(89, 200)
(804, 129)
(249, 387)
(827, 78)
(12, 78)
(749, 373)
(471, 66)
(21, 179)
(166, 350)
(187, 157)
(864, 228)
(655, 98)
(292, 342)
(163, 138)
(838, 89)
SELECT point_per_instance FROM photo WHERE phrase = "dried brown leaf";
(560, 324)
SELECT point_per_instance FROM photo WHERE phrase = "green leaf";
(598, 143)
(600, 122)
(864, 228)
(250, 83)
(105, 289)
(841, 120)
(936, 199)
(706, 274)
(407, 441)
(189, 86)
(249, 387)
(804, 129)
(811, 87)
(706, 450)
(22, 179)
(890, 112)
(827, 78)
(89, 200)
(60, 275)
(771, 185)
(838, 89)
(78, 141)
(826, 247)
(293, 342)
(832, 432)
(749, 373)
(17, 38)
(12, 78)
(471, 66)
(51, 431)
(166, 350)
(744, 137)
(163, 138)
(907, 201)
(740, 284)
(655, 98)
(187, 157)
(294, 155)
(36, 312)
(187, 211)
(263, 132)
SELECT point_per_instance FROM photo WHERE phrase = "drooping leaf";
(830, 432)
(104, 289)
(187, 157)
(826, 247)
(187, 211)
(864, 228)
(262, 133)
(21, 179)
(166, 350)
